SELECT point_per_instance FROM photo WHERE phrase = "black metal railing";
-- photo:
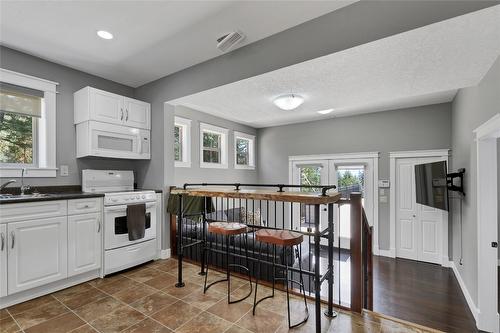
(324, 255)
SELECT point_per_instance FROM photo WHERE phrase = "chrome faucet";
(4, 185)
(23, 187)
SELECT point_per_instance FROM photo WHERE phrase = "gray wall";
(471, 107)
(70, 80)
(195, 174)
(425, 127)
(360, 23)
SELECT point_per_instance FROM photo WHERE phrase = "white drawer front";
(83, 206)
(129, 256)
(32, 210)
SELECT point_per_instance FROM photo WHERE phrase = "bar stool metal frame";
(284, 278)
(207, 251)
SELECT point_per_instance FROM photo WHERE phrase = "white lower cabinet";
(3, 260)
(37, 252)
(84, 243)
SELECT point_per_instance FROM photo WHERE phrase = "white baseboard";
(387, 253)
(446, 262)
(165, 254)
(473, 308)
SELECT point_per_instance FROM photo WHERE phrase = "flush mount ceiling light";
(327, 111)
(288, 102)
(105, 34)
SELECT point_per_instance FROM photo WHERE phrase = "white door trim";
(363, 158)
(393, 156)
(486, 142)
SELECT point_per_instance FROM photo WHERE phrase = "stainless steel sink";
(23, 196)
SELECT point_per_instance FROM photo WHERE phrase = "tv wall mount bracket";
(451, 181)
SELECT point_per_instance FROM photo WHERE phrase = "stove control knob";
(114, 199)
(143, 196)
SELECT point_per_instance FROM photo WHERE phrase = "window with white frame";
(182, 142)
(27, 125)
(244, 151)
(213, 146)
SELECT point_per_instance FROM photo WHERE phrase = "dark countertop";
(50, 197)
(50, 193)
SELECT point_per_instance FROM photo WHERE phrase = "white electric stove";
(118, 188)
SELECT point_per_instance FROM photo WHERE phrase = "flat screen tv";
(431, 185)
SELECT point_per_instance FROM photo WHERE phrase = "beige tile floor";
(145, 299)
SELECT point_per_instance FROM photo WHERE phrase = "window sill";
(244, 167)
(181, 164)
(15, 172)
(213, 166)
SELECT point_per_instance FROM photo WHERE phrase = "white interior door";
(418, 227)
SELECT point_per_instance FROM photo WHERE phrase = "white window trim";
(223, 132)
(186, 142)
(251, 151)
(46, 137)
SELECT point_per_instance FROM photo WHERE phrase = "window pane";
(178, 143)
(16, 138)
(211, 140)
(242, 148)
(211, 156)
(310, 176)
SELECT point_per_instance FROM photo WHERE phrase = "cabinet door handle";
(121, 110)
(98, 225)
(126, 112)
(2, 246)
(13, 238)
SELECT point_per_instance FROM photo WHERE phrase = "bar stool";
(283, 238)
(228, 229)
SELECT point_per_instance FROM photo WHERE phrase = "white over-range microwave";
(94, 138)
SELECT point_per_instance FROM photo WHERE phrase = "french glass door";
(310, 173)
(349, 176)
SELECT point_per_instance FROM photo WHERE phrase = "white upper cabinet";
(94, 104)
(137, 113)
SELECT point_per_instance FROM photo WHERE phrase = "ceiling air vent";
(227, 42)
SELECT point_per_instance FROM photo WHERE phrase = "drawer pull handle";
(86, 206)
(13, 237)
(2, 236)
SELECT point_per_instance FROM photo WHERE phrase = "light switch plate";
(64, 170)
(384, 183)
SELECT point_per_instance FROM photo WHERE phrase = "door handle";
(121, 110)
(13, 238)
(126, 114)
(2, 246)
(99, 225)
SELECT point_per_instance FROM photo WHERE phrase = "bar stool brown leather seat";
(228, 230)
(283, 238)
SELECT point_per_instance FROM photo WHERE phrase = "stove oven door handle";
(124, 207)
(115, 208)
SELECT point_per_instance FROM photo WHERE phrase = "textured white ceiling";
(422, 66)
(152, 38)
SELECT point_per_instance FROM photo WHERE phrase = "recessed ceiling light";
(288, 102)
(327, 111)
(105, 34)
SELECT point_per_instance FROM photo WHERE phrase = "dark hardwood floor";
(422, 293)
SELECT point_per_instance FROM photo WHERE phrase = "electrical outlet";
(64, 170)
